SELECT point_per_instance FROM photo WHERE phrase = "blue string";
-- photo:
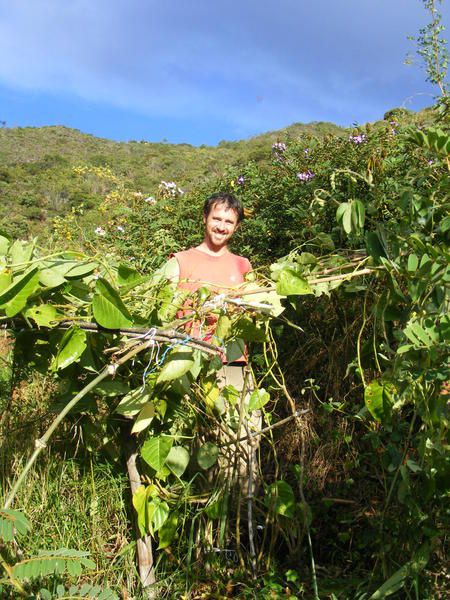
(161, 360)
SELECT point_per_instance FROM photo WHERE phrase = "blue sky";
(200, 71)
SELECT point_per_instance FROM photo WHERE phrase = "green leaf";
(133, 402)
(140, 505)
(167, 532)
(5, 279)
(177, 460)
(15, 297)
(178, 362)
(392, 585)
(155, 451)
(158, 513)
(127, 275)
(235, 350)
(51, 278)
(291, 284)
(71, 347)
(280, 499)
(374, 246)
(47, 563)
(258, 399)
(358, 214)
(111, 388)
(43, 315)
(144, 418)
(207, 455)
(4, 243)
(81, 270)
(413, 262)
(21, 252)
(378, 401)
(246, 329)
(108, 309)
(12, 522)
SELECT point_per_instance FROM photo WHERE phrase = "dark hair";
(229, 200)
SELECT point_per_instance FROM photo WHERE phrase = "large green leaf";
(5, 279)
(43, 315)
(358, 214)
(392, 585)
(246, 329)
(4, 243)
(258, 399)
(207, 455)
(133, 402)
(158, 512)
(21, 252)
(280, 499)
(127, 275)
(109, 310)
(80, 270)
(168, 530)
(112, 388)
(378, 400)
(178, 362)
(291, 284)
(15, 297)
(51, 278)
(71, 347)
(144, 418)
(177, 460)
(155, 451)
(11, 523)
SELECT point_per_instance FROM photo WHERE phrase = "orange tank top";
(218, 273)
(198, 269)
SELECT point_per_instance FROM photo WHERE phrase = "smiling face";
(220, 224)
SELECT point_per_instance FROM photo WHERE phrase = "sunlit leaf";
(14, 298)
(177, 460)
(258, 399)
(43, 315)
(144, 418)
(290, 283)
(155, 451)
(70, 349)
(178, 362)
(51, 278)
(80, 270)
(108, 309)
(133, 402)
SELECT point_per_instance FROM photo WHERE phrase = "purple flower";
(279, 147)
(240, 180)
(430, 162)
(357, 139)
(306, 175)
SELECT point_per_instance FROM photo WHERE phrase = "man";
(212, 265)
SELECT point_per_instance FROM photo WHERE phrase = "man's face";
(220, 225)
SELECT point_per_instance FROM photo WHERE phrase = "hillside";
(38, 182)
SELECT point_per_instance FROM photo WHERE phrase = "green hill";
(38, 181)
